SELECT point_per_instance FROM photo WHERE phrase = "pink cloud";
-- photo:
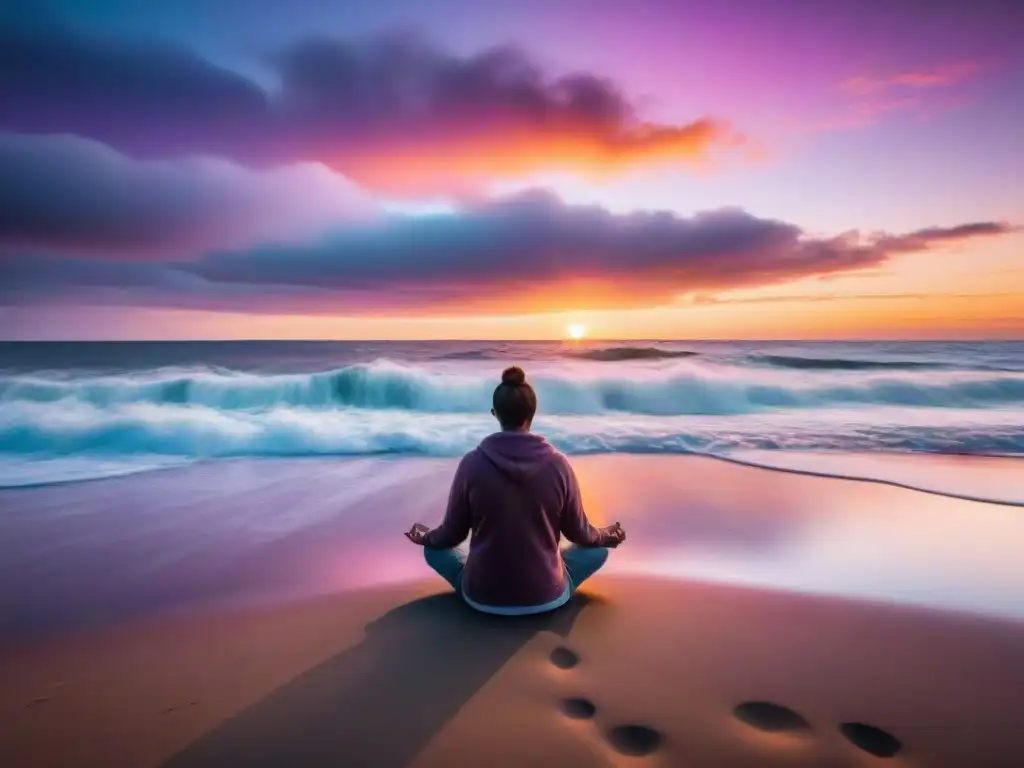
(875, 97)
(939, 77)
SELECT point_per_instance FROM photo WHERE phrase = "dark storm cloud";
(392, 112)
(529, 251)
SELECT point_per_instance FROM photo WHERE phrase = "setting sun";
(576, 331)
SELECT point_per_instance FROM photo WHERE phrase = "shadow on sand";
(380, 702)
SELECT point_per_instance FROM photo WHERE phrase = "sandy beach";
(269, 613)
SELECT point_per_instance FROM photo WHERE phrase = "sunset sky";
(463, 169)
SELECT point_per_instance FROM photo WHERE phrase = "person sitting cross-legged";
(518, 496)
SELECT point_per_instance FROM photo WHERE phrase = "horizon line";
(561, 340)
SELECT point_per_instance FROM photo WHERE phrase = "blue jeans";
(580, 564)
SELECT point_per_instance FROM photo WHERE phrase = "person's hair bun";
(514, 376)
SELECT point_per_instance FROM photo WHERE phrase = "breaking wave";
(685, 389)
(76, 426)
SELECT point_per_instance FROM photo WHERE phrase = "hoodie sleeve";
(457, 518)
(575, 525)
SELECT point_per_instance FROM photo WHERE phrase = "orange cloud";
(464, 163)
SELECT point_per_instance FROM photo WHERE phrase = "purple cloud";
(72, 194)
(391, 112)
(521, 253)
(934, 77)
(925, 238)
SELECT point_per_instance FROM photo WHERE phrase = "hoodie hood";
(519, 455)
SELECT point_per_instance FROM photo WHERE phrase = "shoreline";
(1014, 498)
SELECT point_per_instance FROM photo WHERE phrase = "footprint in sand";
(776, 718)
(773, 718)
(637, 740)
(579, 709)
(633, 740)
(872, 740)
(563, 658)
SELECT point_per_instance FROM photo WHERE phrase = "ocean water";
(77, 411)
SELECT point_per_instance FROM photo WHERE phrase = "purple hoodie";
(517, 495)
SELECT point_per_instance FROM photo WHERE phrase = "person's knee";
(441, 560)
(599, 556)
(587, 559)
(446, 563)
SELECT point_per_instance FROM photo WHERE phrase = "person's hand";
(616, 533)
(416, 533)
